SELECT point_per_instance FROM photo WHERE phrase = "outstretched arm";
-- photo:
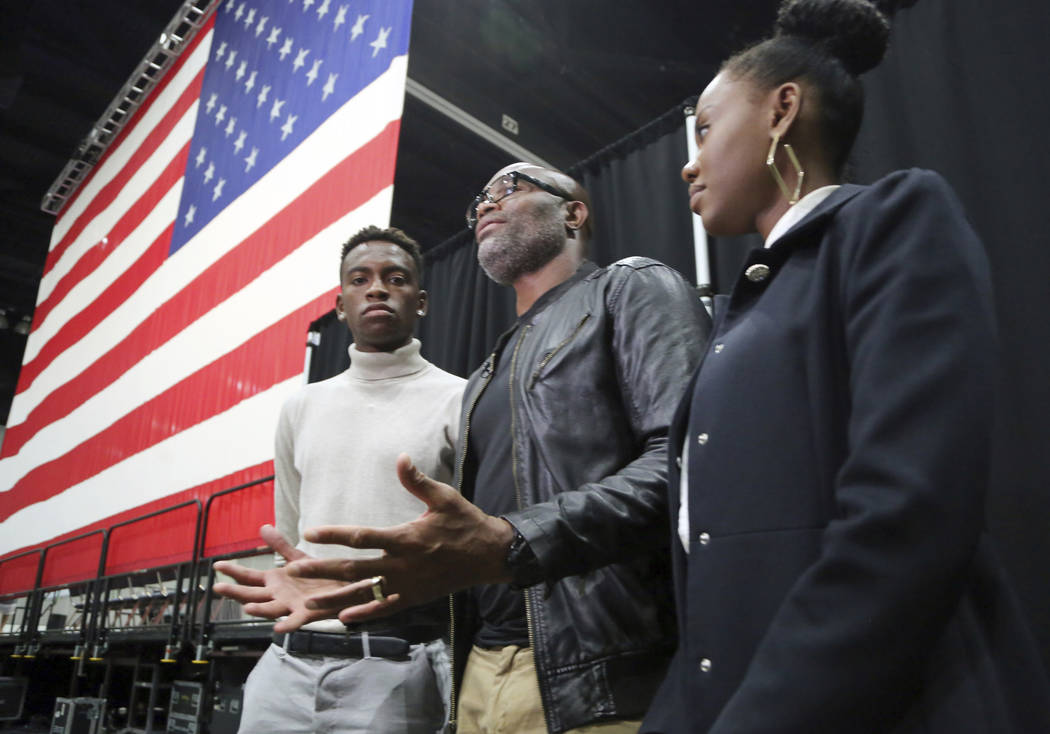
(452, 546)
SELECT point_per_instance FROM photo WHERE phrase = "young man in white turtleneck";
(336, 447)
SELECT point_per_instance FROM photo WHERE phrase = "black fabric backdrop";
(961, 91)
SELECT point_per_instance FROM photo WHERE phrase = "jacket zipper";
(451, 662)
(460, 461)
(517, 495)
(550, 354)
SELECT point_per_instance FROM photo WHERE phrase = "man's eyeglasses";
(503, 187)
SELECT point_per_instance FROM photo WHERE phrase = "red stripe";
(138, 116)
(263, 361)
(111, 190)
(348, 185)
(87, 318)
(250, 508)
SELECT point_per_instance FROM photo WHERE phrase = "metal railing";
(178, 614)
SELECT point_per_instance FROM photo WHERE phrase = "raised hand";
(274, 592)
(452, 546)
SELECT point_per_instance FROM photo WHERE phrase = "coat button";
(757, 272)
(705, 665)
(702, 439)
(719, 348)
(704, 538)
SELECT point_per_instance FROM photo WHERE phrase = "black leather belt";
(414, 634)
(304, 642)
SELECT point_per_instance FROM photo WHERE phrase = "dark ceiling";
(575, 76)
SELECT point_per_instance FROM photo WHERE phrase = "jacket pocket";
(553, 352)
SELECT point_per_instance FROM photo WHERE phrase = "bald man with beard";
(571, 407)
(565, 621)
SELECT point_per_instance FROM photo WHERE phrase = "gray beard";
(509, 254)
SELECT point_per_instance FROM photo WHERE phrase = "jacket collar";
(585, 268)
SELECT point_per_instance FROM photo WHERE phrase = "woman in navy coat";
(833, 570)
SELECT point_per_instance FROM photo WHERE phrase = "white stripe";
(357, 122)
(308, 272)
(229, 442)
(118, 157)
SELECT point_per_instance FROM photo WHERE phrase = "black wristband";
(522, 563)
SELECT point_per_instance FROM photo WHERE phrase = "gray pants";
(317, 694)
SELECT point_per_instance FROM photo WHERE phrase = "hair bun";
(853, 31)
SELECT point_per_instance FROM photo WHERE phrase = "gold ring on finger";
(377, 587)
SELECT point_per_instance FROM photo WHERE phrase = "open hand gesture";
(452, 546)
(274, 592)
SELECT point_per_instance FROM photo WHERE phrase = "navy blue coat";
(840, 578)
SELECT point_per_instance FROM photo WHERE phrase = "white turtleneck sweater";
(338, 440)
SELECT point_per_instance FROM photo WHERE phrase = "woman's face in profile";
(728, 183)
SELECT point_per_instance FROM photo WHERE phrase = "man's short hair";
(394, 236)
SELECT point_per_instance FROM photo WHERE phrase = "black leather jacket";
(598, 368)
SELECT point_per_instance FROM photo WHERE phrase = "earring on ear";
(791, 196)
(420, 312)
(340, 315)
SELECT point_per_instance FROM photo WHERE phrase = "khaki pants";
(501, 695)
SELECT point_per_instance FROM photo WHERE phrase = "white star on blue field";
(277, 70)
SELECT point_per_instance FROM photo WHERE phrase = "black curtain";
(328, 339)
(639, 201)
(467, 310)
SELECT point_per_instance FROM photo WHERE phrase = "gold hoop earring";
(791, 196)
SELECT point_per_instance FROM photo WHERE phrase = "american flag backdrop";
(171, 318)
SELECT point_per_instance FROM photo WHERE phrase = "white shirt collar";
(797, 213)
